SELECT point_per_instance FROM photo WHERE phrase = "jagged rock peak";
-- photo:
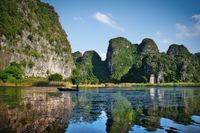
(77, 54)
(176, 49)
(91, 54)
(148, 46)
(119, 41)
(197, 54)
(118, 44)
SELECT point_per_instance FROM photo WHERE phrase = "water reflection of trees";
(174, 104)
(123, 116)
(38, 111)
(87, 106)
(129, 108)
(48, 111)
(177, 105)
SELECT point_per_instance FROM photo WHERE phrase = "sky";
(90, 24)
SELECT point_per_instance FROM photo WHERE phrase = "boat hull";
(67, 89)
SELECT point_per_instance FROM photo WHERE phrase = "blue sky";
(90, 24)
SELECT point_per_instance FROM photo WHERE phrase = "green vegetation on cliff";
(89, 68)
(121, 55)
(41, 19)
(133, 63)
(10, 18)
(30, 32)
(32, 36)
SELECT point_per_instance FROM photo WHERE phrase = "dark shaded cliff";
(89, 68)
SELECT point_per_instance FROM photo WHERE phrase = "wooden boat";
(67, 89)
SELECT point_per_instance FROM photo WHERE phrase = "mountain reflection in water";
(33, 110)
(117, 110)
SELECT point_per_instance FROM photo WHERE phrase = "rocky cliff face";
(31, 35)
(186, 65)
(146, 65)
(89, 68)
(147, 47)
(121, 54)
(177, 50)
(177, 65)
(127, 62)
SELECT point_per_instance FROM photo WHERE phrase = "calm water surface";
(117, 110)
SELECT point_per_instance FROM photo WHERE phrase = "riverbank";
(30, 83)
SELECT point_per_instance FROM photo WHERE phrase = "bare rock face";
(160, 77)
(152, 79)
(40, 45)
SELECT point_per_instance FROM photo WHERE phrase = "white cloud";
(158, 33)
(103, 56)
(196, 17)
(182, 31)
(107, 20)
(189, 31)
(166, 41)
(78, 19)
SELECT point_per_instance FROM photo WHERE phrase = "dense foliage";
(55, 77)
(89, 68)
(41, 19)
(128, 62)
(12, 73)
(10, 18)
(121, 55)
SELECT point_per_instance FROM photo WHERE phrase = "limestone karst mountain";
(127, 62)
(31, 35)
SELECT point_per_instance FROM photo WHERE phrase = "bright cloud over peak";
(189, 31)
(107, 20)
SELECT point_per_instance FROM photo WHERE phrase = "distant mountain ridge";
(127, 62)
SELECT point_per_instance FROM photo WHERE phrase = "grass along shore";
(44, 82)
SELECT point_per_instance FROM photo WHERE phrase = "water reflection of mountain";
(47, 110)
(144, 108)
(37, 111)
(175, 104)
(88, 105)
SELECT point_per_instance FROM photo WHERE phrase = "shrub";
(14, 70)
(55, 77)
(3, 76)
(12, 73)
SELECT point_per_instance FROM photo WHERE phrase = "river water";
(104, 110)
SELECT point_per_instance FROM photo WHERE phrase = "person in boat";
(77, 84)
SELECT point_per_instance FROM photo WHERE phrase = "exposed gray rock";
(39, 53)
(152, 79)
(40, 45)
